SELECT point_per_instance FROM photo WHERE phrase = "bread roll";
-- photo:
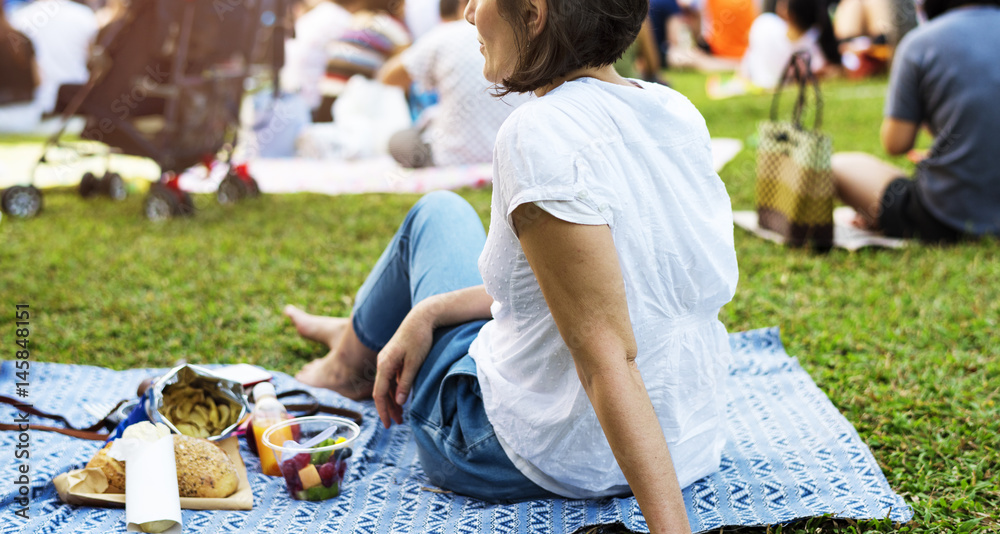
(203, 469)
(113, 470)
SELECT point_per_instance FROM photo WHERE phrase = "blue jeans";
(435, 251)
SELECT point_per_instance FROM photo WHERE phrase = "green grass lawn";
(904, 342)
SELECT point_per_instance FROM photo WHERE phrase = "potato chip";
(225, 414)
(213, 412)
(196, 412)
(182, 411)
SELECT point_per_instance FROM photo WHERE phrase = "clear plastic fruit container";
(312, 453)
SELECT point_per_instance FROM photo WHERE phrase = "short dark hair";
(934, 8)
(577, 34)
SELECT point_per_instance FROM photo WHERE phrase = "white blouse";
(639, 161)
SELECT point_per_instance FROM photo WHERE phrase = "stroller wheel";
(231, 190)
(22, 201)
(88, 183)
(253, 191)
(161, 203)
(115, 186)
(185, 205)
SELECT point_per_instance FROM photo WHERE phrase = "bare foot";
(349, 368)
(863, 223)
(325, 330)
(328, 372)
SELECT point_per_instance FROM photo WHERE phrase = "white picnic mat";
(845, 234)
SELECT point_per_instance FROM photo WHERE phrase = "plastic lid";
(264, 389)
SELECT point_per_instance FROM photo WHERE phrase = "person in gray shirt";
(946, 77)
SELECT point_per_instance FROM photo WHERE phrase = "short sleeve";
(419, 60)
(903, 99)
(541, 160)
(573, 211)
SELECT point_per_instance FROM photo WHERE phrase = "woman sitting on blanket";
(583, 356)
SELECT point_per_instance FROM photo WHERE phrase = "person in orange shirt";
(727, 26)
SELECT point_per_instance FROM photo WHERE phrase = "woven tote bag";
(794, 179)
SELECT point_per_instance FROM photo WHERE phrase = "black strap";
(89, 432)
(35, 411)
(82, 434)
(312, 407)
(799, 71)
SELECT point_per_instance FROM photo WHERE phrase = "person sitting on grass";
(946, 76)
(866, 30)
(318, 24)
(62, 33)
(18, 112)
(576, 349)
(465, 122)
(795, 26)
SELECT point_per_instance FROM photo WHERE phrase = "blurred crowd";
(426, 50)
(47, 43)
(43, 44)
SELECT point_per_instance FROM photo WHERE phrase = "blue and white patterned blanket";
(790, 455)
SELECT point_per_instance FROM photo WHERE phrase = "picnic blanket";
(845, 234)
(377, 175)
(790, 455)
(336, 177)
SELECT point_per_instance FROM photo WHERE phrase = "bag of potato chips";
(193, 401)
(190, 400)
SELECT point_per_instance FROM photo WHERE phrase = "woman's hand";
(401, 358)
(399, 361)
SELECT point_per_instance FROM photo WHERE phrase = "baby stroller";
(167, 79)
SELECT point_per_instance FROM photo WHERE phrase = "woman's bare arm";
(578, 271)
(457, 307)
(401, 358)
